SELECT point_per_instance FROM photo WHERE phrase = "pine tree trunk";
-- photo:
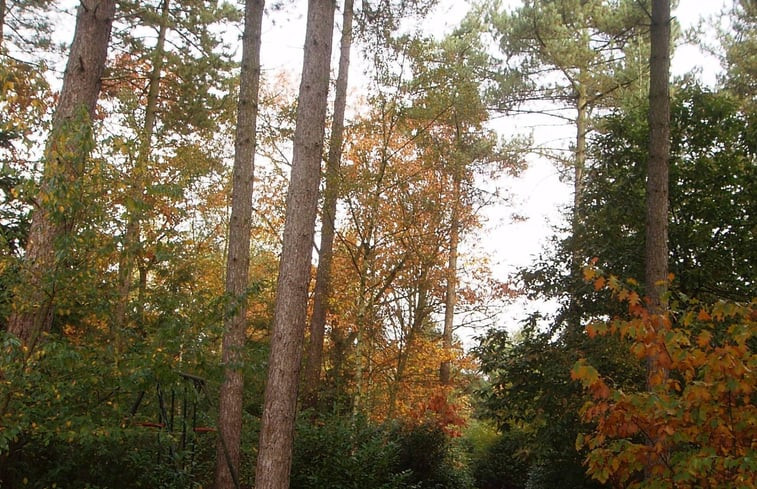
(450, 297)
(277, 423)
(67, 149)
(579, 168)
(656, 265)
(331, 194)
(238, 258)
(656, 245)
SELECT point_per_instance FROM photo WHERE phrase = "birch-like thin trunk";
(450, 296)
(238, 258)
(277, 422)
(131, 238)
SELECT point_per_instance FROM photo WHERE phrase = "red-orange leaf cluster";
(697, 425)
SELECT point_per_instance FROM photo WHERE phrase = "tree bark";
(277, 423)
(331, 195)
(66, 151)
(238, 258)
(450, 297)
(656, 244)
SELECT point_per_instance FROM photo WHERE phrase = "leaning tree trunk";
(277, 423)
(331, 194)
(67, 148)
(656, 245)
(131, 237)
(238, 258)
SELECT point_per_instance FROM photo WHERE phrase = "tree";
(277, 424)
(691, 428)
(579, 56)
(656, 256)
(739, 42)
(160, 94)
(238, 259)
(588, 49)
(712, 214)
(328, 217)
(65, 165)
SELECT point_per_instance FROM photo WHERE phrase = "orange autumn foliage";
(697, 426)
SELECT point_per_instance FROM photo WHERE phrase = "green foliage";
(589, 50)
(713, 177)
(80, 415)
(498, 460)
(531, 398)
(433, 460)
(343, 453)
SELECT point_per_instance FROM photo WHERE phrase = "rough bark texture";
(277, 423)
(656, 265)
(238, 259)
(65, 153)
(656, 245)
(331, 194)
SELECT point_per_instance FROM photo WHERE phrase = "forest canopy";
(222, 271)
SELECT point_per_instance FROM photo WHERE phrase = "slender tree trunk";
(238, 258)
(450, 297)
(331, 194)
(656, 245)
(579, 165)
(131, 239)
(277, 423)
(2, 24)
(67, 149)
(656, 264)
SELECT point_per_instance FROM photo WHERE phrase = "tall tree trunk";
(277, 423)
(656, 245)
(238, 258)
(131, 238)
(2, 24)
(331, 194)
(579, 167)
(450, 296)
(66, 151)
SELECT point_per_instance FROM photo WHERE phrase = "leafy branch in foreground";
(696, 426)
